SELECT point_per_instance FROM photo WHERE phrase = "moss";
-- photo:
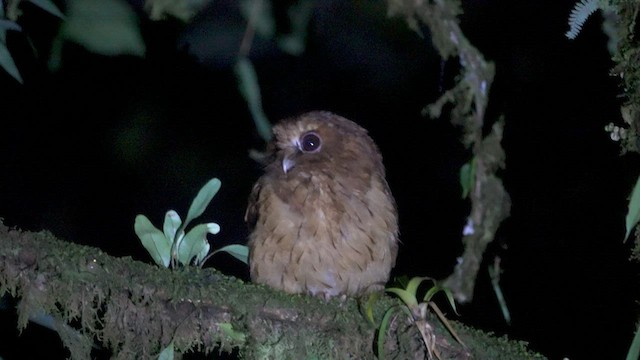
(136, 309)
(626, 55)
(487, 346)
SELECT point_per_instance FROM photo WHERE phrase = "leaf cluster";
(418, 311)
(173, 247)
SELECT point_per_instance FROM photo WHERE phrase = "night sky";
(87, 148)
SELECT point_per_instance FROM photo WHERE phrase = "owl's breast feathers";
(328, 226)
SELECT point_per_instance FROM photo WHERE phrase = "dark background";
(87, 148)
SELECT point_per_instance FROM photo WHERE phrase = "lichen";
(469, 97)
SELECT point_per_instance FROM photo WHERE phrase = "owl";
(322, 219)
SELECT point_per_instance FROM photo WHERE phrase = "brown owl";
(322, 218)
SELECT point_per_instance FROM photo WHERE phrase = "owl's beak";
(287, 164)
(287, 160)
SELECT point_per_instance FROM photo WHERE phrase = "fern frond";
(579, 15)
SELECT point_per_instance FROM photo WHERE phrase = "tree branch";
(490, 203)
(136, 309)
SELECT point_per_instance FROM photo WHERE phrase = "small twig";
(249, 32)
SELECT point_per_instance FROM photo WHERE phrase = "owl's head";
(323, 141)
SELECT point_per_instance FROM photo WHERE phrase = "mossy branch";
(135, 310)
(490, 203)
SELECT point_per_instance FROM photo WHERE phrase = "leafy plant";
(579, 15)
(417, 311)
(8, 21)
(631, 221)
(172, 247)
(633, 213)
(634, 350)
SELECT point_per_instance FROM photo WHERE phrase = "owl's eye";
(310, 142)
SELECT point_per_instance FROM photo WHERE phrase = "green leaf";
(48, 6)
(384, 325)
(431, 292)
(261, 16)
(408, 295)
(368, 306)
(408, 298)
(167, 353)
(412, 286)
(195, 242)
(202, 200)
(467, 177)
(104, 27)
(294, 43)
(634, 350)
(158, 246)
(452, 301)
(436, 289)
(240, 252)
(633, 215)
(202, 255)
(250, 90)
(382, 332)
(7, 63)
(8, 25)
(171, 225)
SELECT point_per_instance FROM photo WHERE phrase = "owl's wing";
(251, 215)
